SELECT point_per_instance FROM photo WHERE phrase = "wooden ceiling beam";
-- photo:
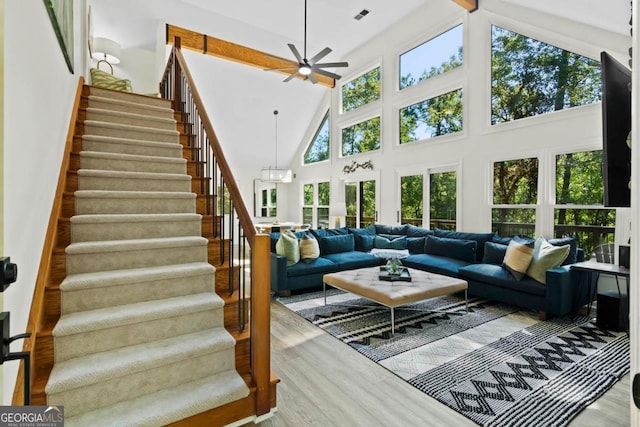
(234, 52)
(469, 5)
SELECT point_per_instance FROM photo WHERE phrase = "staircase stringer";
(41, 320)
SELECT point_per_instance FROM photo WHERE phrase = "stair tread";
(133, 175)
(131, 157)
(117, 140)
(137, 116)
(170, 405)
(133, 275)
(98, 367)
(106, 318)
(134, 244)
(104, 99)
(119, 218)
(107, 194)
(131, 128)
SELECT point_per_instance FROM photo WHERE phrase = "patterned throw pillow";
(545, 257)
(518, 257)
(108, 81)
(287, 246)
(309, 248)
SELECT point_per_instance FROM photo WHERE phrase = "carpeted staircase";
(141, 339)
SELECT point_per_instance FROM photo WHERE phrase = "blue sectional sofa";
(474, 257)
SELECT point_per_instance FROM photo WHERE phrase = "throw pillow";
(287, 246)
(309, 248)
(545, 257)
(108, 81)
(326, 232)
(364, 242)
(518, 257)
(464, 250)
(380, 242)
(494, 253)
(336, 244)
(572, 258)
(369, 231)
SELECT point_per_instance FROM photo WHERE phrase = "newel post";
(261, 321)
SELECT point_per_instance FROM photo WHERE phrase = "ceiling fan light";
(305, 70)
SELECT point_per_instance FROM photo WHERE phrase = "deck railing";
(246, 252)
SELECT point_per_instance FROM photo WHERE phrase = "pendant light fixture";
(276, 174)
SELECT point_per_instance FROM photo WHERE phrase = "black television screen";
(616, 125)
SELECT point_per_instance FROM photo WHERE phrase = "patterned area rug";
(497, 365)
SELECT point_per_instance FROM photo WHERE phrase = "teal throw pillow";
(546, 256)
(384, 243)
(572, 258)
(416, 244)
(494, 253)
(364, 242)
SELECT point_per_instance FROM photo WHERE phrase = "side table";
(596, 269)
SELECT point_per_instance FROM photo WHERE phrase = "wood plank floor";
(326, 383)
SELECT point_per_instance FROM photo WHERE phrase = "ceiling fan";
(307, 67)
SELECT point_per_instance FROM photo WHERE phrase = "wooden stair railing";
(232, 228)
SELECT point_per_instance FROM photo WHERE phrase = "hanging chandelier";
(274, 173)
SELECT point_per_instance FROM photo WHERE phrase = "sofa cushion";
(368, 231)
(494, 253)
(435, 264)
(416, 244)
(287, 246)
(336, 244)
(501, 240)
(380, 242)
(364, 242)
(499, 276)
(518, 257)
(391, 229)
(546, 256)
(464, 250)
(413, 231)
(480, 238)
(275, 236)
(353, 260)
(309, 248)
(325, 232)
(316, 266)
(572, 257)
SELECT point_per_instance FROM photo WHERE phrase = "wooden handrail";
(241, 209)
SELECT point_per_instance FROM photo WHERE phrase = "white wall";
(38, 98)
(474, 149)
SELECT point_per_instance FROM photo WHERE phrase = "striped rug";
(497, 365)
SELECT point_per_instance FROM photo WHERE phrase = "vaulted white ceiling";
(241, 99)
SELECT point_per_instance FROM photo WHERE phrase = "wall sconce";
(107, 51)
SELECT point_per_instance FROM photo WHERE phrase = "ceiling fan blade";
(327, 74)
(291, 77)
(295, 52)
(331, 65)
(324, 52)
(312, 78)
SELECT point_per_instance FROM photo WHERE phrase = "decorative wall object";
(61, 15)
(354, 166)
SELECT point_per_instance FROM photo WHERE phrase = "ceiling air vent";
(362, 14)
